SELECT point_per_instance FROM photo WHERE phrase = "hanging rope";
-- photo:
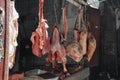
(55, 12)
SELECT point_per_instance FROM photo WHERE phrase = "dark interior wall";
(108, 39)
(109, 42)
(28, 11)
(118, 36)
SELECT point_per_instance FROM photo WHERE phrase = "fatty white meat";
(13, 33)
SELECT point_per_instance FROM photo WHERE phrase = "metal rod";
(73, 2)
(6, 68)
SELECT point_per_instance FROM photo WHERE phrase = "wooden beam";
(82, 2)
(77, 3)
(74, 3)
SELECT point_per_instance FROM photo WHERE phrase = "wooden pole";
(77, 3)
(73, 2)
(6, 68)
(2, 35)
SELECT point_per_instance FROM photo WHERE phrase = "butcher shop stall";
(59, 39)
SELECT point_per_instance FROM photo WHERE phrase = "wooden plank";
(77, 3)
(73, 2)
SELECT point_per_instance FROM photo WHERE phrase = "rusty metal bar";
(2, 35)
(6, 68)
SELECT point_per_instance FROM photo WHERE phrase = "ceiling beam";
(77, 3)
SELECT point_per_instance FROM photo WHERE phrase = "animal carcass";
(39, 38)
(77, 48)
(57, 51)
(13, 33)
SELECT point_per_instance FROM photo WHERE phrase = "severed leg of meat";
(91, 46)
(76, 35)
(65, 26)
(35, 44)
(83, 40)
(61, 56)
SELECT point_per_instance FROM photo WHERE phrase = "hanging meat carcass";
(77, 48)
(13, 33)
(73, 49)
(39, 38)
(58, 52)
